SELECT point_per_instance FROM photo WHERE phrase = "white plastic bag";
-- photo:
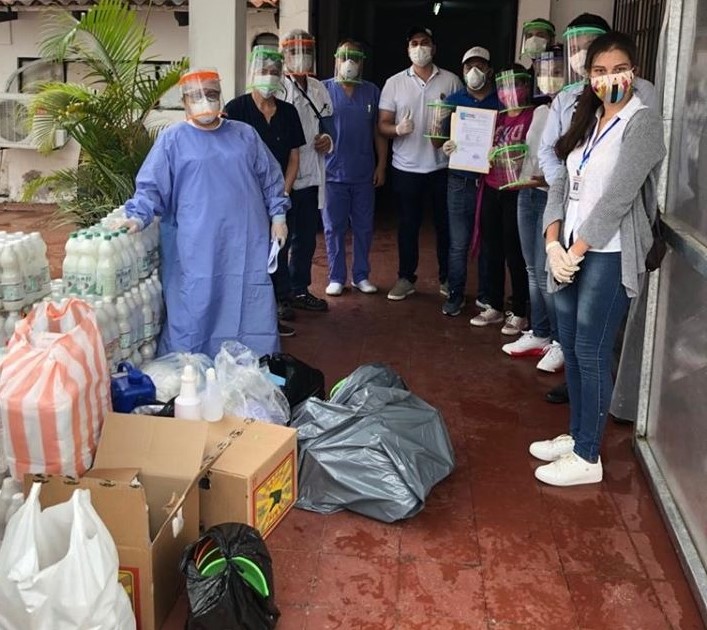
(59, 569)
(166, 372)
(247, 390)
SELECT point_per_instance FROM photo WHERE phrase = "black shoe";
(307, 302)
(558, 395)
(284, 330)
(285, 312)
(454, 305)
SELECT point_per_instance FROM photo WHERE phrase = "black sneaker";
(284, 330)
(454, 305)
(307, 302)
(285, 312)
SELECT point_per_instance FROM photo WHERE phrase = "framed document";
(473, 131)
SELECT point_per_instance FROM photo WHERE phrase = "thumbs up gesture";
(406, 126)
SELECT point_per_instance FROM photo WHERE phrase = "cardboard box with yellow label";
(254, 479)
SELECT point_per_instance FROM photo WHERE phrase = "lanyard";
(587, 153)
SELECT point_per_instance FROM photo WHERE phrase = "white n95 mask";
(475, 79)
(420, 55)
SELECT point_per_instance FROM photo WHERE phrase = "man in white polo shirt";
(418, 167)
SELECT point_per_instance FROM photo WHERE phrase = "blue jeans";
(589, 315)
(461, 208)
(531, 205)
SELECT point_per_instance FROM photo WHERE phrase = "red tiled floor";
(493, 549)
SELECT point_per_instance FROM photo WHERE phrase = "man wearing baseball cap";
(480, 92)
(418, 166)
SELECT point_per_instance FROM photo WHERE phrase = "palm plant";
(105, 114)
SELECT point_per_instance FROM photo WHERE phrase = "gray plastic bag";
(375, 448)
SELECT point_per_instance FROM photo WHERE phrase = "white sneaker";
(401, 289)
(553, 359)
(365, 286)
(570, 470)
(484, 306)
(514, 325)
(487, 317)
(550, 450)
(527, 346)
(334, 288)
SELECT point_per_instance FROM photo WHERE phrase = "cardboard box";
(254, 479)
(151, 521)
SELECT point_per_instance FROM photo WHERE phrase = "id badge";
(575, 187)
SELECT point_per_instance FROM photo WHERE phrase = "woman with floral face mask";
(598, 232)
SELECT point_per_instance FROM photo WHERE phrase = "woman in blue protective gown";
(221, 197)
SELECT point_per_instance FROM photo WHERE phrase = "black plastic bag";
(226, 600)
(301, 380)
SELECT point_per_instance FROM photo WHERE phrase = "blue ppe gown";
(216, 192)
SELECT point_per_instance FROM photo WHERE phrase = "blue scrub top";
(354, 158)
(464, 99)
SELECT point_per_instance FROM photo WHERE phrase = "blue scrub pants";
(348, 204)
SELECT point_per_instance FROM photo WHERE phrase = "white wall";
(562, 12)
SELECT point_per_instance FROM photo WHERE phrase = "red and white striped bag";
(54, 391)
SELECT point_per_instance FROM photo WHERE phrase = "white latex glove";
(133, 225)
(449, 147)
(406, 126)
(278, 232)
(561, 265)
(574, 258)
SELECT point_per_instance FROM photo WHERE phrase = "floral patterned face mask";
(612, 88)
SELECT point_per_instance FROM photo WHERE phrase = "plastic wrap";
(246, 389)
(375, 448)
(166, 372)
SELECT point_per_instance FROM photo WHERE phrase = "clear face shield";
(349, 65)
(265, 71)
(577, 42)
(201, 93)
(537, 38)
(549, 73)
(299, 56)
(514, 90)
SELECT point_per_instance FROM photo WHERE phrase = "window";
(33, 70)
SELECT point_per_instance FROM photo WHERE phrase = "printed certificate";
(473, 131)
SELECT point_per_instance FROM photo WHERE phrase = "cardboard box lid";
(249, 441)
(163, 447)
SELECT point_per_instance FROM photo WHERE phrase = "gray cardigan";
(622, 206)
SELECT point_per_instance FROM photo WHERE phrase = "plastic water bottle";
(212, 399)
(105, 268)
(40, 248)
(147, 314)
(143, 257)
(134, 321)
(157, 307)
(124, 328)
(86, 269)
(71, 262)
(23, 260)
(107, 331)
(11, 280)
(12, 318)
(125, 262)
(187, 405)
(132, 254)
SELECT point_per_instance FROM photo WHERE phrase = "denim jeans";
(589, 315)
(531, 205)
(302, 223)
(411, 191)
(461, 208)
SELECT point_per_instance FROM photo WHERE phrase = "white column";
(293, 14)
(217, 32)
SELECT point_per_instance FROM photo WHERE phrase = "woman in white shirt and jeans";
(598, 231)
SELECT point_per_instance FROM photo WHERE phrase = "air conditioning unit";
(14, 130)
